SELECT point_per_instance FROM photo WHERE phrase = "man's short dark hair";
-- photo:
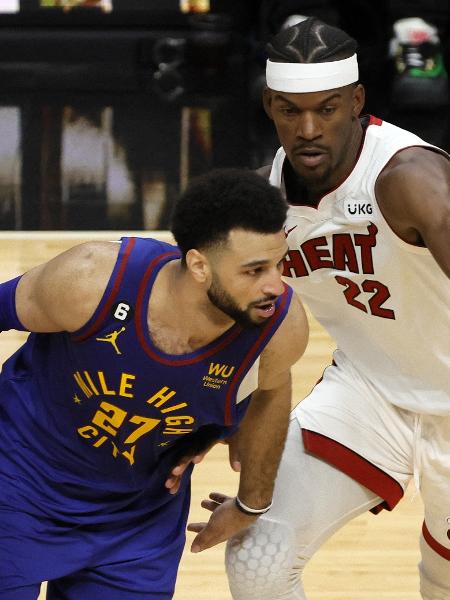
(221, 200)
(311, 41)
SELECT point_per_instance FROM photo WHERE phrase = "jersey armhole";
(109, 295)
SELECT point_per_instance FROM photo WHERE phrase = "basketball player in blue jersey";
(143, 353)
(368, 230)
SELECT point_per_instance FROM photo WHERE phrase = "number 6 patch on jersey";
(122, 311)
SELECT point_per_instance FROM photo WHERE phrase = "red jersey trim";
(434, 544)
(251, 353)
(112, 295)
(375, 120)
(173, 362)
(356, 467)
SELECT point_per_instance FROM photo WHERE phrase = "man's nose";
(273, 285)
(308, 126)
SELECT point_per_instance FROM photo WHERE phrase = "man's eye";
(287, 111)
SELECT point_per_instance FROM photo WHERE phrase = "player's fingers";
(199, 457)
(172, 478)
(205, 539)
(196, 527)
(219, 497)
(179, 469)
(173, 484)
(174, 489)
(209, 505)
(198, 544)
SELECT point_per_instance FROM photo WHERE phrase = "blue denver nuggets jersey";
(92, 422)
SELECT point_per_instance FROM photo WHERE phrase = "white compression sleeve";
(266, 562)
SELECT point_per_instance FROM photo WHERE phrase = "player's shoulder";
(413, 166)
(87, 261)
(85, 268)
(93, 251)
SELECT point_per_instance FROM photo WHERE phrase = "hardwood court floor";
(372, 558)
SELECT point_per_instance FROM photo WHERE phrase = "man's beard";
(224, 302)
(317, 181)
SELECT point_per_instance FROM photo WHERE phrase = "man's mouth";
(309, 156)
(266, 309)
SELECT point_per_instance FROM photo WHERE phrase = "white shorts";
(355, 427)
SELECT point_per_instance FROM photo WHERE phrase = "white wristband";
(251, 511)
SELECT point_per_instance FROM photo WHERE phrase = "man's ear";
(198, 265)
(267, 102)
(358, 100)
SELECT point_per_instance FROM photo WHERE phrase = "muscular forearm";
(261, 441)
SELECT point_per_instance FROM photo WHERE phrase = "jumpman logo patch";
(112, 339)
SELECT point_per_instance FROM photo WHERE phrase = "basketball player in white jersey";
(369, 236)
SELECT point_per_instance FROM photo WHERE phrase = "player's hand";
(173, 482)
(225, 522)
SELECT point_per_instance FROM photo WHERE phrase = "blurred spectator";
(410, 30)
(420, 76)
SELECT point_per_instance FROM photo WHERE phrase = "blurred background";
(109, 107)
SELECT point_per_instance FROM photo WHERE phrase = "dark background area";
(106, 115)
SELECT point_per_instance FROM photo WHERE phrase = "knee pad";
(259, 562)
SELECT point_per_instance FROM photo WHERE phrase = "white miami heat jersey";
(385, 302)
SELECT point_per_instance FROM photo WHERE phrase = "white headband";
(311, 77)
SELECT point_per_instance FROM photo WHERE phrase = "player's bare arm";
(62, 294)
(261, 435)
(263, 430)
(413, 193)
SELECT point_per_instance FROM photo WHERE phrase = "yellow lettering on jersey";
(174, 431)
(218, 369)
(172, 408)
(101, 441)
(91, 383)
(83, 386)
(110, 418)
(88, 431)
(163, 395)
(186, 420)
(124, 385)
(115, 451)
(145, 425)
(130, 454)
(105, 390)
